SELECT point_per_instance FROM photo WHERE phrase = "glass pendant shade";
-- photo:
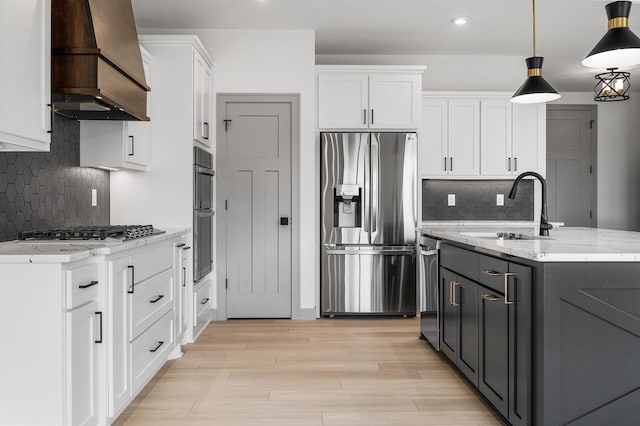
(619, 47)
(535, 89)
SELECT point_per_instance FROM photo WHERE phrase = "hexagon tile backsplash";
(476, 200)
(49, 189)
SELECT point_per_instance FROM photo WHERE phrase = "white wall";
(618, 160)
(276, 61)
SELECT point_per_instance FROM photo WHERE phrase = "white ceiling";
(566, 29)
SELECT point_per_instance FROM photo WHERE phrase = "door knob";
(284, 221)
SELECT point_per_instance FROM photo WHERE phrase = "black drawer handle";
(91, 284)
(157, 347)
(181, 245)
(187, 248)
(157, 299)
(205, 301)
(133, 278)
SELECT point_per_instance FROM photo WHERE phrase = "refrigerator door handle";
(366, 211)
(375, 188)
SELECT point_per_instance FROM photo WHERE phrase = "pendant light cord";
(534, 27)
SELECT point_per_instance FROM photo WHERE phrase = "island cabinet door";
(493, 381)
(449, 317)
(465, 297)
(518, 296)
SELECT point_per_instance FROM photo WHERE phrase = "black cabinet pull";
(91, 284)
(515, 159)
(184, 277)
(364, 121)
(157, 299)
(181, 245)
(205, 301)
(284, 221)
(509, 167)
(206, 134)
(187, 248)
(133, 278)
(132, 153)
(157, 347)
(100, 339)
(372, 116)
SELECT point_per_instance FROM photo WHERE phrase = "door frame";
(594, 148)
(221, 194)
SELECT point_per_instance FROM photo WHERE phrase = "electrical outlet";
(94, 197)
(499, 199)
(451, 200)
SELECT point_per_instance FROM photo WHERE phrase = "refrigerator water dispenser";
(347, 206)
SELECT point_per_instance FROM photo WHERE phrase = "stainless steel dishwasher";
(429, 291)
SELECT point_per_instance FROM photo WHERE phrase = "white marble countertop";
(562, 245)
(61, 252)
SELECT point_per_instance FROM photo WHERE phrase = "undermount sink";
(511, 236)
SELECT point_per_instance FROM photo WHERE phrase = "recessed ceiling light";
(460, 20)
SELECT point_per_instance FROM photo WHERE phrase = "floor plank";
(329, 372)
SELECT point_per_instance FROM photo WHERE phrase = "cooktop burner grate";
(127, 232)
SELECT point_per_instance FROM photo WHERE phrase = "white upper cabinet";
(480, 135)
(25, 67)
(119, 144)
(449, 139)
(202, 89)
(529, 144)
(495, 134)
(383, 97)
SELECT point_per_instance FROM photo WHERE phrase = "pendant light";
(619, 47)
(535, 89)
(612, 86)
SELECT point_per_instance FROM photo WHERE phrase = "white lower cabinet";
(183, 284)
(149, 351)
(84, 334)
(202, 305)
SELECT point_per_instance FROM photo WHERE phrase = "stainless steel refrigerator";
(368, 207)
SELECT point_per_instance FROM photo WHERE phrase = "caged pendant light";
(535, 89)
(619, 47)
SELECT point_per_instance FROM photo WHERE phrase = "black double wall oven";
(203, 175)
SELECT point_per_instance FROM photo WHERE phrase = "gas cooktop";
(83, 233)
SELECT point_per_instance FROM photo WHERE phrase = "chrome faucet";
(544, 225)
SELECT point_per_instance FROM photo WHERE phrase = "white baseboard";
(307, 313)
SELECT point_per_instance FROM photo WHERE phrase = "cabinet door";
(529, 138)
(432, 140)
(138, 137)
(84, 335)
(394, 101)
(495, 138)
(201, 81)
(464, 137)
(207, 90)
(493, 380)
(465, 296)
(449, 317)
(25, 86)
(118, 336)
(343, 101)
(519, 345)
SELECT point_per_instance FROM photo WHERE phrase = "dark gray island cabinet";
(546, 343)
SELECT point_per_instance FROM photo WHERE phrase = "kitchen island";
(546, 328)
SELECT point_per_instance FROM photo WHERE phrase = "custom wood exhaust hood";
(97, 71)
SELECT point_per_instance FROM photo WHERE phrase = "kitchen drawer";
(151, 260)
(150, 300)
(82, 285)
(491, 272)
(460, 261)
(149, 351)
(202, 301)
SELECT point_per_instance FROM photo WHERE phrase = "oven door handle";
(205, 171)
(428, 252)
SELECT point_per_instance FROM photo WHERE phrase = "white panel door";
(83, 337)
(258, 150)
(394, 101)
(464, 137)
(569, 178)
(529, 138)
(495, 138)
(433, 138)
(343, 101)
(25, 66)
(118, 335)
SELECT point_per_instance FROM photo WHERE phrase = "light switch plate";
(451, 200)
(499, 199)
(94, 197)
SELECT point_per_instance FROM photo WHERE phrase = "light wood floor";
(329, 372)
